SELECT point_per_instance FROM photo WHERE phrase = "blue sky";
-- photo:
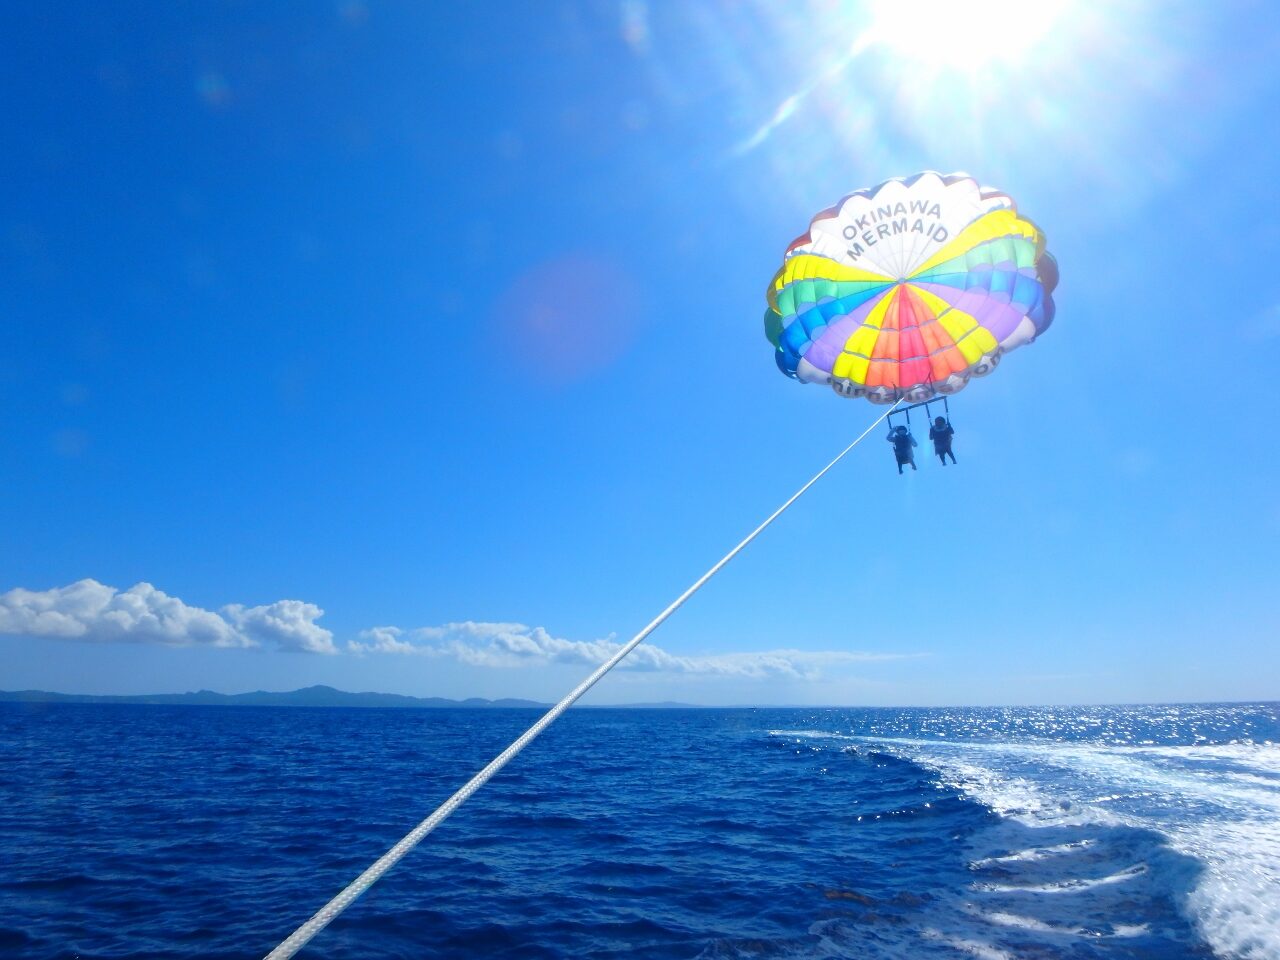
(451, 324)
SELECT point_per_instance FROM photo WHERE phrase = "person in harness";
(903, 442)
(941, 433)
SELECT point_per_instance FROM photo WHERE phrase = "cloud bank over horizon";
(96, 613)
(510, 645)
(93, 612)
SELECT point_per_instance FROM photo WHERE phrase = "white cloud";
(94, 612)
(382, 640)
(289, 624)
(516, 645)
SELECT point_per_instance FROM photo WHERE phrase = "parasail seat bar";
(925, 403)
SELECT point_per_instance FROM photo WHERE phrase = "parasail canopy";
(909, 289)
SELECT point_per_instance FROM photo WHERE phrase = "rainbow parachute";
(908, 289)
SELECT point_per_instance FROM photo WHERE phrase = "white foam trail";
(1020, 922)
(1064, 886)
(1036, 853)
(1237, 905)
(1026, 923)
(811, 735)
(1217, 804)
(974, 948)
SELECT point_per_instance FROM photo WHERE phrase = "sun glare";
(924, 54)
(966, 36)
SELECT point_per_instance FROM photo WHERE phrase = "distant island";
(317, 696)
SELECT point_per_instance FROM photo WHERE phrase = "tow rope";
(298, 939)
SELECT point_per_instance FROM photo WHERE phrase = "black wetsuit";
(941, 438)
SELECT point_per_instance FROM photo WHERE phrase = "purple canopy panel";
(987, 308)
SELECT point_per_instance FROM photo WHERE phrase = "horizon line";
(33, 696)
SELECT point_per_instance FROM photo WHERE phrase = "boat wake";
(1088, 834)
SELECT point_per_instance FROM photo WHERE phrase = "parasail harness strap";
(298, 939)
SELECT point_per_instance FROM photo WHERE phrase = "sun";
(963, 36)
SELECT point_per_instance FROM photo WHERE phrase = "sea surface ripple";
(876, 834)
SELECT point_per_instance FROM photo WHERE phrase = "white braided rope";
(298, 939)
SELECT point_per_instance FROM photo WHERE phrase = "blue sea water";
(1099, 832)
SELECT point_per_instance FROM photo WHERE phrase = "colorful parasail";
(908, 289)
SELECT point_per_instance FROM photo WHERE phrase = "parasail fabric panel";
(909, 289)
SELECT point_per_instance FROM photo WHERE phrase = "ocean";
(1042, 833)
